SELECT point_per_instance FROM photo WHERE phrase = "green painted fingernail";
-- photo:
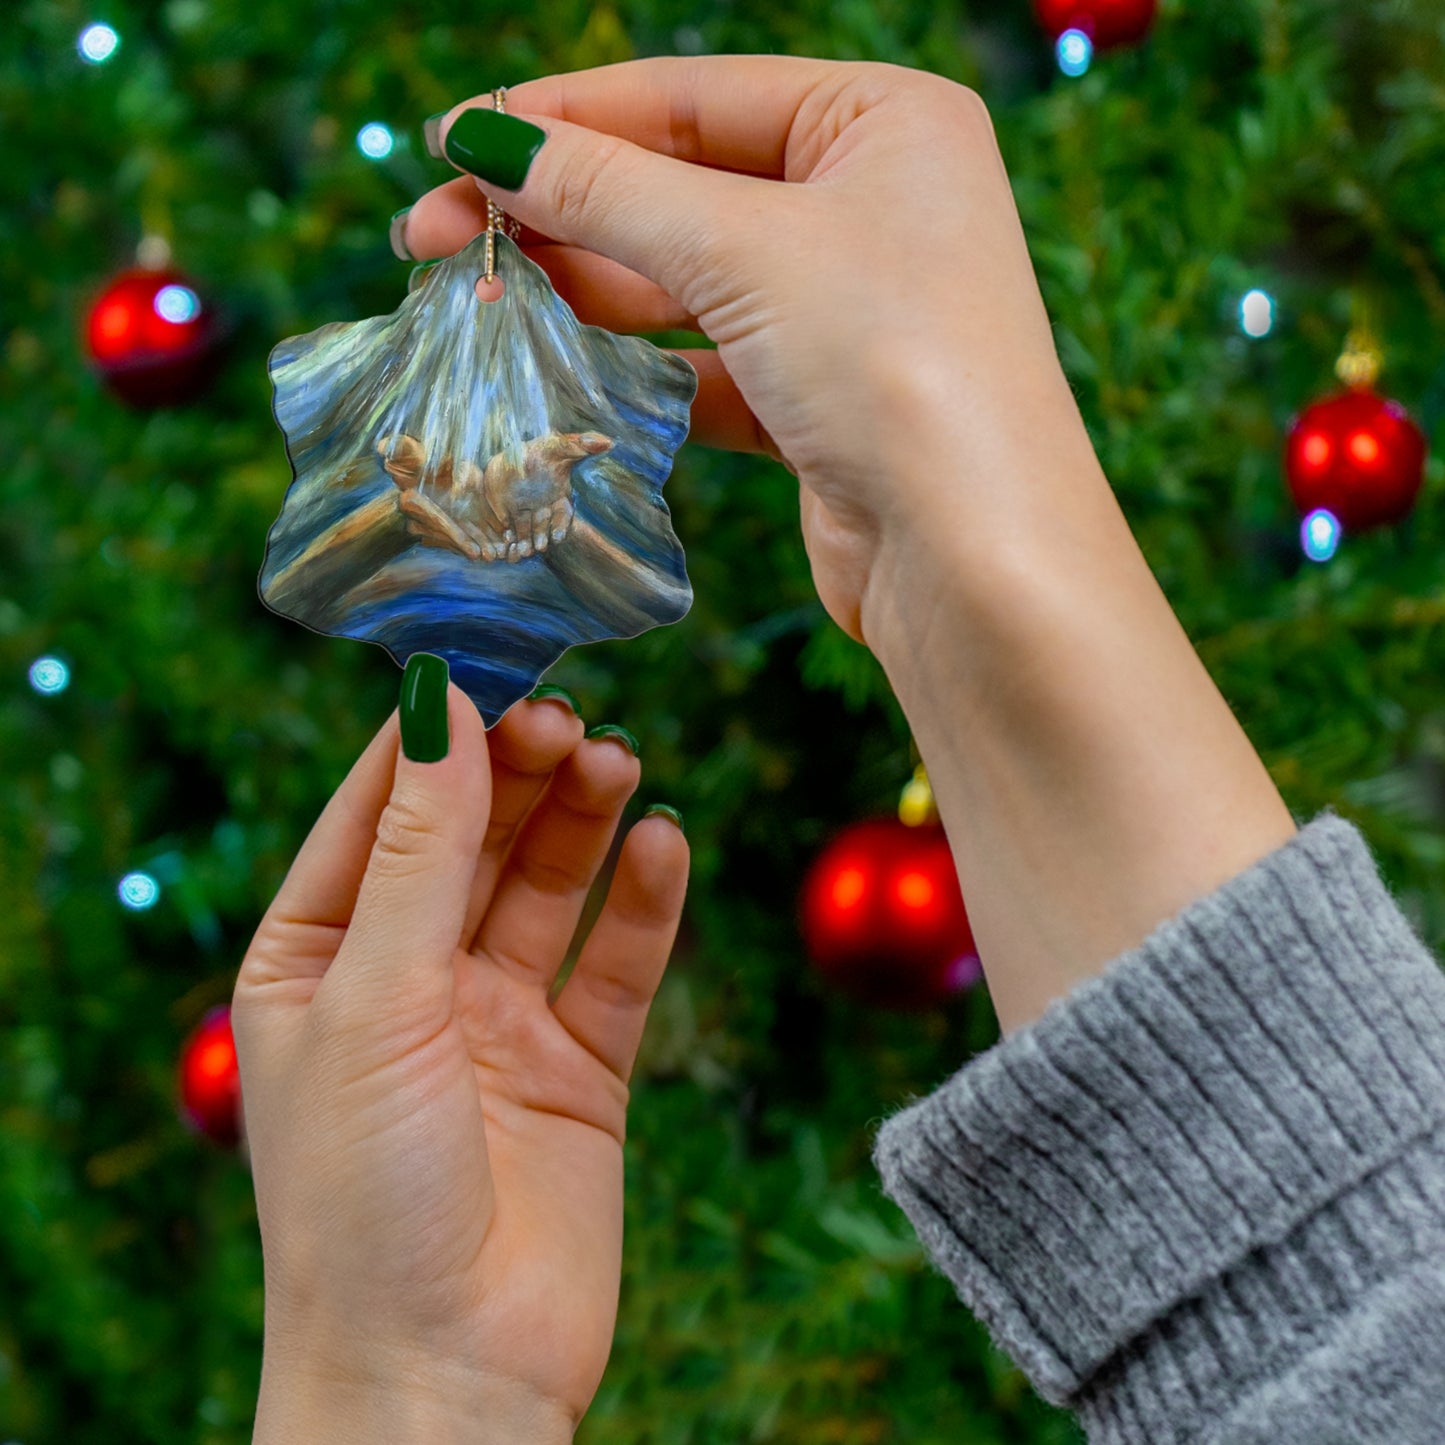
(498, 148)
(612, 730)
(431, 133)
(550, 689)
(424, 734)
(667, 812)
(397, 234)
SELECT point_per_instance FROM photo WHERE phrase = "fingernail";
(612, 730)
(667, 812)
(397, 235)
(550, 689)
(424, 734)
(498, 148)
(431, 133)
(418, 276)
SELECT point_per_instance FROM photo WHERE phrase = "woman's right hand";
(878, 324)
(847, 236)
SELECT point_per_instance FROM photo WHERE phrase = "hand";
(847, 235)
(429, 522)
(878, 309)
(513, 509)
(437, 1150)
(531, 499)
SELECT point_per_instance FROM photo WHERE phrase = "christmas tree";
(1214, 210)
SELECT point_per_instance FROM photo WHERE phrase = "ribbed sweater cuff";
(1205, 1111)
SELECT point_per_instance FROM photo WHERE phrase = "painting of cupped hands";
(478, 480)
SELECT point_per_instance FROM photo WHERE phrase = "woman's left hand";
(436, 1147)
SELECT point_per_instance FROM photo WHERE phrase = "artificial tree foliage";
(771, 1292)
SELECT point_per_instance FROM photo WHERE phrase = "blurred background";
(1235, 209)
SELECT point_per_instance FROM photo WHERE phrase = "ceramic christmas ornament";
(479, 480)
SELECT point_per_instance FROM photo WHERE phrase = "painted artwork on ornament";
(478, 480)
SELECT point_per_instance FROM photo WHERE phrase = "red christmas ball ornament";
(883, 917)
(1107, 23)
(1359, 456)
(152, 338)
(210, 1080)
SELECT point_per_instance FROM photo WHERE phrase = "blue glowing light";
(97, 44)
(1256, 313)
(1320, 535)
(1075, 52)
(375, 140)
(49, 675)
(138, 890)
(177, 304)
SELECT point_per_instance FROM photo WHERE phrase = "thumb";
(404, 461)
(666, 219)
(407, 922)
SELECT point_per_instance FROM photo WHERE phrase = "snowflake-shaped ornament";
(480, 480)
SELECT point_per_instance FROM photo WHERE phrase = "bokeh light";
(49, 675)
(177, 304)
(138, 890)
(97, 43)
(914, 889)
(1364, 448)
(1075, 52)
(1256, 313)
(964, 971)
(849, 887)
(1320, 535)
(1315, 451)
(375, 140)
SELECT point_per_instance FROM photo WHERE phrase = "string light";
(1256, 313)
(49, 675)
(138, 891)
(1320, 535)
(375, 141)
(177, 304)
(1075, 52)
(97, 43)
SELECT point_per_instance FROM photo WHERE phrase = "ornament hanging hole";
(489, 291)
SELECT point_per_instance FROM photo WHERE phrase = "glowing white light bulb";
(375, 140)
(138, 891)
(177, 304)
(49, 675)
(1075, 52)
(1256, 313)
(97, 44)
(1320, 535)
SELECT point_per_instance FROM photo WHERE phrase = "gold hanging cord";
(497, 218)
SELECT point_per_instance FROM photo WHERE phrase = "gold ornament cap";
(1360, 361)
(915, 804)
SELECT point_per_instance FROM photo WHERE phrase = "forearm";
(442, 527)
(1091, 778)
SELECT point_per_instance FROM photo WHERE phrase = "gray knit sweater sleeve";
(1202, 1199)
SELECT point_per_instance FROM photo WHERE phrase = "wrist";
(990, 494)
(1092, 780)
(326, 1403)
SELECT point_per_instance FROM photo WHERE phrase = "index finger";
(733, 112)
